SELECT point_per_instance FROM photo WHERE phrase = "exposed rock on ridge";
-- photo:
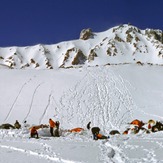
(85, 34)
(119, 45)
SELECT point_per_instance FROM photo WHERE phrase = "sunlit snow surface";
(108, 96)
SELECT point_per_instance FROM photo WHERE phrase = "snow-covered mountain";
(119, 45)
(108, 96)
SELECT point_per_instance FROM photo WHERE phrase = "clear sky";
(29, 22)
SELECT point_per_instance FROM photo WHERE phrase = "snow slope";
(108, 96)
(113, 78)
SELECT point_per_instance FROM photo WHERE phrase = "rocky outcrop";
(129, 38)
(67, 55)
(85, 34)
(73, 56)
(118, 38)
(121, 44)
(156, 34)
(80, 58)
(92, 55)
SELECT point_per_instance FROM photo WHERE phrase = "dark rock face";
(92, 55)
(80, 58)
(157, 34)
(77, 59)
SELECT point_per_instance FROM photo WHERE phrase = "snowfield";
(110, 78)
(108, 96)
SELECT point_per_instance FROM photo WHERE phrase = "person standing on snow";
(56, 133)
(52, 125)
(17, 125)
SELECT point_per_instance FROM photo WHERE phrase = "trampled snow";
(109, 90)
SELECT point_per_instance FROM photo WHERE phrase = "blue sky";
(29, 22)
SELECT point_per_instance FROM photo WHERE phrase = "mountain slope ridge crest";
(118, 45)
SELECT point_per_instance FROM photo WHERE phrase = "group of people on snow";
(94, 130)
(52, 125)
(137, 126)
(53, 129)
(134, 127)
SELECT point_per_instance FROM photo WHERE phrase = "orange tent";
(78, 129)
(137, 123)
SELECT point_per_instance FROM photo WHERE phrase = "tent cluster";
(137, 126)
(149, 127)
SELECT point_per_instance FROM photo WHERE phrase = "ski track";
(56, 106)
(11, 109)
(43, 149)
(32, 101)
(110, 106)
(152, 115)
(127, 147)
(50, 156)
(45, 110)
(112, 150)
(68, 102)
(114, 107)
(110, 99)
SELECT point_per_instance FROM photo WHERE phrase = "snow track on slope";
(40, 154)
(49, 149)
(45, 110)
(142, 148)
(11, 109)
(99, 96)
(30, 108)
(105, 98)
